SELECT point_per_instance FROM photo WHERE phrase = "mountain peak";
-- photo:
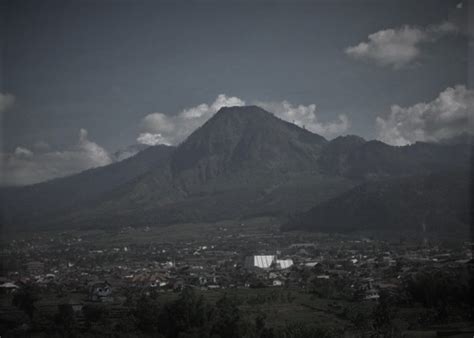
(242, 110)
(242, 114)
(244, 137)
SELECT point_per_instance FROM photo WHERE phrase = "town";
(253, 261)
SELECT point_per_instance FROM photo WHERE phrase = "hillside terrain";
(422, 204)
(244, 162)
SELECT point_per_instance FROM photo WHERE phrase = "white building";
(266, 261)
(259, 261)
(284, 263)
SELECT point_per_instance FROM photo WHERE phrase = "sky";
(82, 79)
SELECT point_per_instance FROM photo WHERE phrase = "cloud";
(152, 139)
(6, 101)
(450, 114)
(42, 146)
(23, 152)
(40, 162)
(399, 47)
(25, 166)
(127, 152)
(306, 117)
(92, 154)
(159, 128)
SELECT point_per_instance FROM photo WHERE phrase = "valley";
(330, 284)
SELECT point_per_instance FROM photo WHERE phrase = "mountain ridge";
(243, 161)
(424, 204)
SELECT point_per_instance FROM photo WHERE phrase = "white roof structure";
(284, 263)
(260, 261)
(9, 285)
(266, 261)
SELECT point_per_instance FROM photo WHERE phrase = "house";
(178, 285)
(100, 291)
(322, 276)
(367, 284)
(311, 264)
(8, 287)
(277, 282)
(372, 294)
(272, 275)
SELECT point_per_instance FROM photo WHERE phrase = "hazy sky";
(107, 66)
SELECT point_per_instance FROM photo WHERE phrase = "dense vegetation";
(438, 204)
(428, 297)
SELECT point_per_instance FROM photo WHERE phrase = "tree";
(189, 314)
(25, 299)
(65, 321)
(147, 312)
(227, 319)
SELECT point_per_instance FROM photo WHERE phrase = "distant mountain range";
(245, 162)
(433, 203)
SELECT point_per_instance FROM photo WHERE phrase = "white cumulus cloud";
(159, 128)
(22, 152)
(25, 166)
(306, 117)
(449, 115)
(152, 139)
(398, 47)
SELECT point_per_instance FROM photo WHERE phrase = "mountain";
(40, 201)
(401, 188)
(239, 138)
(354, 158)
(243, 162)
(336, 155)
(434, 203)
